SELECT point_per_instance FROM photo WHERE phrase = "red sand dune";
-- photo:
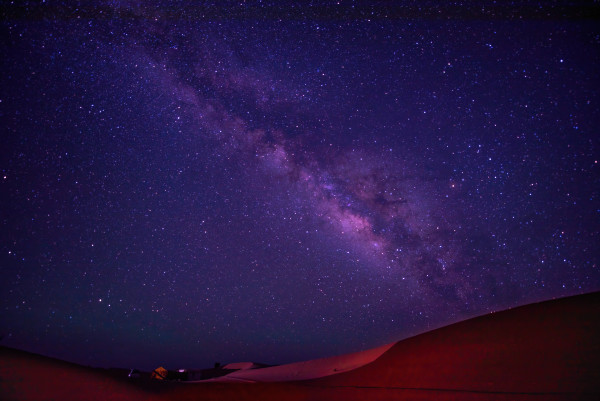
(544, 351)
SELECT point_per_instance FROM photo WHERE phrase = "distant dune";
(316, 368)
(543, 351)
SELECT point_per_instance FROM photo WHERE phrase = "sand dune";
(544, 351)
(305, 370)
(549, 349)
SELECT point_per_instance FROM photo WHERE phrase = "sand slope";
(545, 351)
(548, 349)
(306, 370)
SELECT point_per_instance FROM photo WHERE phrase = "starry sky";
(183, 183)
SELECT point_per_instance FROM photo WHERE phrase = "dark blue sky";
(187, 184)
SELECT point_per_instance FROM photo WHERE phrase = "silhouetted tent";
(159, 373)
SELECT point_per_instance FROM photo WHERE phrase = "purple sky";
(188, 184)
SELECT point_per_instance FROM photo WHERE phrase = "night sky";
(187, 183)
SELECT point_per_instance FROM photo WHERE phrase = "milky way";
(185, 184)
(375, 207)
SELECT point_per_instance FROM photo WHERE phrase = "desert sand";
(543, 351)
